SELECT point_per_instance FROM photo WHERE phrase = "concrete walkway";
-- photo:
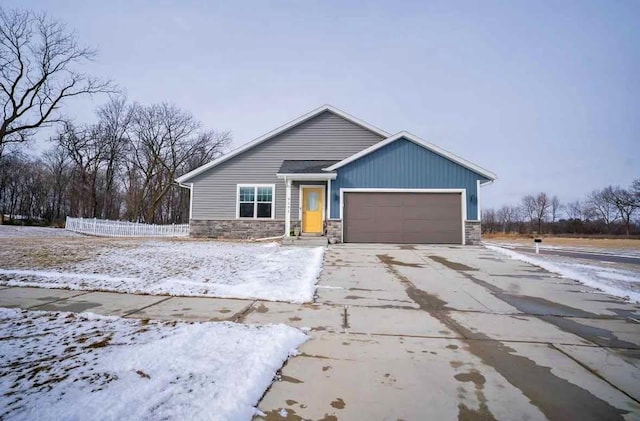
(425, 332)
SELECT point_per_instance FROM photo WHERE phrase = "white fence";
(107, 228)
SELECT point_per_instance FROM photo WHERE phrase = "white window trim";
(462, 192)
(301, 196)
(255, 186)
(328, 199)
(478, 213)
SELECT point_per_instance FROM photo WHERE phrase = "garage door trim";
(461, 192)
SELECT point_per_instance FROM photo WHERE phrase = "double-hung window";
(256, 201)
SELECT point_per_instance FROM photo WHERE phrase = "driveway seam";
(239, 316)
(594, 372)
(60, 299)
(146, 307)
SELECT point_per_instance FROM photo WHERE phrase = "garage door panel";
(433, 226)
(378, 217)
(434, 238)
(372, 225)
(436, 214)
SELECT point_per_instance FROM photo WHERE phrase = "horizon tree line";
(612, 210)
(121, 167)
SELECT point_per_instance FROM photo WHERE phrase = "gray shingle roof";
(304, 166)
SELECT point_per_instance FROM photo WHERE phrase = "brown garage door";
(405, 218)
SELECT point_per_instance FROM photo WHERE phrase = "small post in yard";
(537, 241)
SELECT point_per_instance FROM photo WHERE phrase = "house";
(329, 173)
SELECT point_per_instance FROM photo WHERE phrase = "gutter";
(186, 186)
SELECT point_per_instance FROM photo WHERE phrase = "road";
(598, 256)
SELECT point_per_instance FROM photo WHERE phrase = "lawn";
(65, 366)
(161, 267)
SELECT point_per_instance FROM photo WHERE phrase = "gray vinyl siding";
(324, 137)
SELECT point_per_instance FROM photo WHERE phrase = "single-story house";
(329, 173)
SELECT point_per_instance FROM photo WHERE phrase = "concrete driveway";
(425, 332)
(456, 332)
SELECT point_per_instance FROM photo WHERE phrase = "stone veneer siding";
(244, 229)
(472, 233)
(238, 229)
(334, 230)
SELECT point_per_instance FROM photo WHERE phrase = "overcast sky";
(545, 94)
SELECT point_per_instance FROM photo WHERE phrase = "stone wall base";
(472, 233)
(334, 231)
(237, 229)
(245, 229)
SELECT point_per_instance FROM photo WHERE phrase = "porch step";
(305, 241)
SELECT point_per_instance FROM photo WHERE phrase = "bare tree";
(575, 210)
(112, 130)
(39, 58)
(603, 207)
(58, 166)
(489, 221)
(536, 209)
(23, 187)
(164, 140)
(635, 188)
(624, 201)
(86, 150)
(507, 216)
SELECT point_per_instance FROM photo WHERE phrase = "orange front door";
(312, 205)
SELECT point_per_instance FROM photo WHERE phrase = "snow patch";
(188, 268)
(618, 282)
(68, 366)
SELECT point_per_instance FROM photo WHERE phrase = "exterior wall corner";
(334, 231)
(472, 233)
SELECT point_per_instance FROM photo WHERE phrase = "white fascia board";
(276, 132)
(420, 142)
(308, 176)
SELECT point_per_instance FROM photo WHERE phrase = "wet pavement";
(459, 333)
(425, 332)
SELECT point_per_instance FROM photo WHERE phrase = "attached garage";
(403, 217)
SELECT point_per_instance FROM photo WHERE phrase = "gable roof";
(420, 142)
(279, 130)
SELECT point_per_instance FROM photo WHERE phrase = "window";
(312, 201)
(255, 201)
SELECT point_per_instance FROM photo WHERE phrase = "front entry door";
(312, 205)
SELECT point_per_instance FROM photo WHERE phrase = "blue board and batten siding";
(404, 164)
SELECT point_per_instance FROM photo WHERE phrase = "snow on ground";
(187, 268)
(614, 281)
(16, 231)
(64, 366)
